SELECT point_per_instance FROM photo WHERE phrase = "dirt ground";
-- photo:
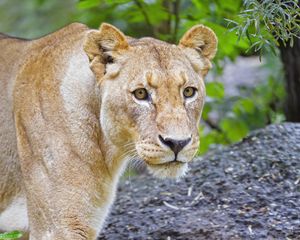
(250, 190)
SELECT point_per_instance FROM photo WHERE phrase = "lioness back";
(16, 55)
(11, 54)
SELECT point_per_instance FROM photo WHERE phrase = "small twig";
(173, 207)
(190, 189)
(197, 198)
(250, 230)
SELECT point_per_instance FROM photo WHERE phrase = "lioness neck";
(83, 108)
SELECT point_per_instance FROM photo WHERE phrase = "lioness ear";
(102, 45)
(204, 41)
(111, 38)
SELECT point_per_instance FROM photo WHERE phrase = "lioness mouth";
(171, 163)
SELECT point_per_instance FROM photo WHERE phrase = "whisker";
(128, 145)
(128, 153)
(138, 164)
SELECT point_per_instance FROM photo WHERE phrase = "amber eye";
(189, 92)
(140, 94)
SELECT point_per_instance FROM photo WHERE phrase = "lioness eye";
(189, 92)
(140, 94)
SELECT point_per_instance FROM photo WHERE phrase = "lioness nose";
(175, 145)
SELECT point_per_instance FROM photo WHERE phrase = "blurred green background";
(248, 87)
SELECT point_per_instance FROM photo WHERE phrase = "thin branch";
(166, 26)
(212, 125)
(145, 14)
(216, 127)
(176, 6)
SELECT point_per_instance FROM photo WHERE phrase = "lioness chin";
(77, 105)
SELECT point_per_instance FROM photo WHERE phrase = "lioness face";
(152, 97)
(160, 98)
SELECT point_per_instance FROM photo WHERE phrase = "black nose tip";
(175, 145)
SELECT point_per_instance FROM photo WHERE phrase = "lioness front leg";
(68, 195)
(58, 209)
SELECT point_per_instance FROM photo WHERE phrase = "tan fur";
(69, 121)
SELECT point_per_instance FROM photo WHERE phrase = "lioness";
(77, 105)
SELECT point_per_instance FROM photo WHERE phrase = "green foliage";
(254, 108)
(256, 25)
(35, 18)
(168, 20)
(268, 23)
(10, 235)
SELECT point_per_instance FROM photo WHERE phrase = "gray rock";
(250, 190)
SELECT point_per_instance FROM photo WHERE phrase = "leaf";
(215, 90)
(88, 4)
(206, 110)
(245, 105)
(235, 129)
(230, 5)
(11, 235)
(211, 138)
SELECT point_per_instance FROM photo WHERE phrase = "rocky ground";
(250, 190)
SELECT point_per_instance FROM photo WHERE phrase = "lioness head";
(152, 94)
